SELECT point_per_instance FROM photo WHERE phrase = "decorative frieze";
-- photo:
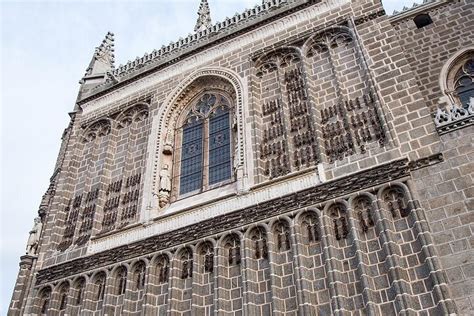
(455, 117)
(282, 253)
(275, 207)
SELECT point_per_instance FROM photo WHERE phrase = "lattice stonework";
(289, 141)
(349, 126)
(72, 214)
(87, 216)
(111, 206)
(130, 199)
(301, 122)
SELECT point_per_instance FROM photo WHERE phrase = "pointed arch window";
(206, 144)
(464, 82)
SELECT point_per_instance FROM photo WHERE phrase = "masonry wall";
(446, 193)
(428, 49)
(332, 96)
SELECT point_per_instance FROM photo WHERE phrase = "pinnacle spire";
(204, 17)
(103, 59)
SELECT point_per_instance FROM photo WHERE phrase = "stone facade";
(345, 185)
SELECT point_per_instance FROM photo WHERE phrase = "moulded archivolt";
(164, 123)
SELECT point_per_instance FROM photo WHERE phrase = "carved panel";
(72, 213)
(130, 199)
(274, 147)
(111, 206)
(349, 126)
(87, 216)
(301, 123)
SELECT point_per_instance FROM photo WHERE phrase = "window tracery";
(282, 233)
(139, 276)
(137, 113)
(310, 229)
(464, 83)
(98, 129)
(121, 279)
(339, 221)
(206, 144)
(63, 296)
(80, 288)
(396, 202)
(363, 210)
(258, 236)
(187, 264)
(163, 269)
(232, 247)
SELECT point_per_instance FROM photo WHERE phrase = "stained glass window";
(464, 83)
(206, 144)
(192, 157)
(219, 146)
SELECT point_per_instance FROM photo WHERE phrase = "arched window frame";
(450, 76)
(80, 287)
(192, 112)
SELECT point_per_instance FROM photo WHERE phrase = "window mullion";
(205, 157)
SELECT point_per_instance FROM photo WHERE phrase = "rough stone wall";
(446, 192)
(427, 49)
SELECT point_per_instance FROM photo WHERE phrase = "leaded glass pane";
(219, 147)
(465, 91)
(191, 158)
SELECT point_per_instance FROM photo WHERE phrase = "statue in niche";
(165, 186)
(33, 240)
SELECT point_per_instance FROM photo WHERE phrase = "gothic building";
(304, 157)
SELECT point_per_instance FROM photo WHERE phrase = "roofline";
(211, 40)
(417, 10)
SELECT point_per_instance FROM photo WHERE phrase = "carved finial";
(103, 59)
(204, 17)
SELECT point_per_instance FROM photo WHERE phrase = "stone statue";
(165, 180)
(165, 186)
(33, 240)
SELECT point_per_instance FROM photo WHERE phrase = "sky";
(45, 48)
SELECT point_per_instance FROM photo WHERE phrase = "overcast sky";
(45, 48)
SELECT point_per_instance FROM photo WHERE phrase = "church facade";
(305, 157)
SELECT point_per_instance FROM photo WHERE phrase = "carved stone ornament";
(168, 149)
(454, 118)
(165, 187)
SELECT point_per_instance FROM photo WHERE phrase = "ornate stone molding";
(162, 121)
(454, 118)
(270, 208)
